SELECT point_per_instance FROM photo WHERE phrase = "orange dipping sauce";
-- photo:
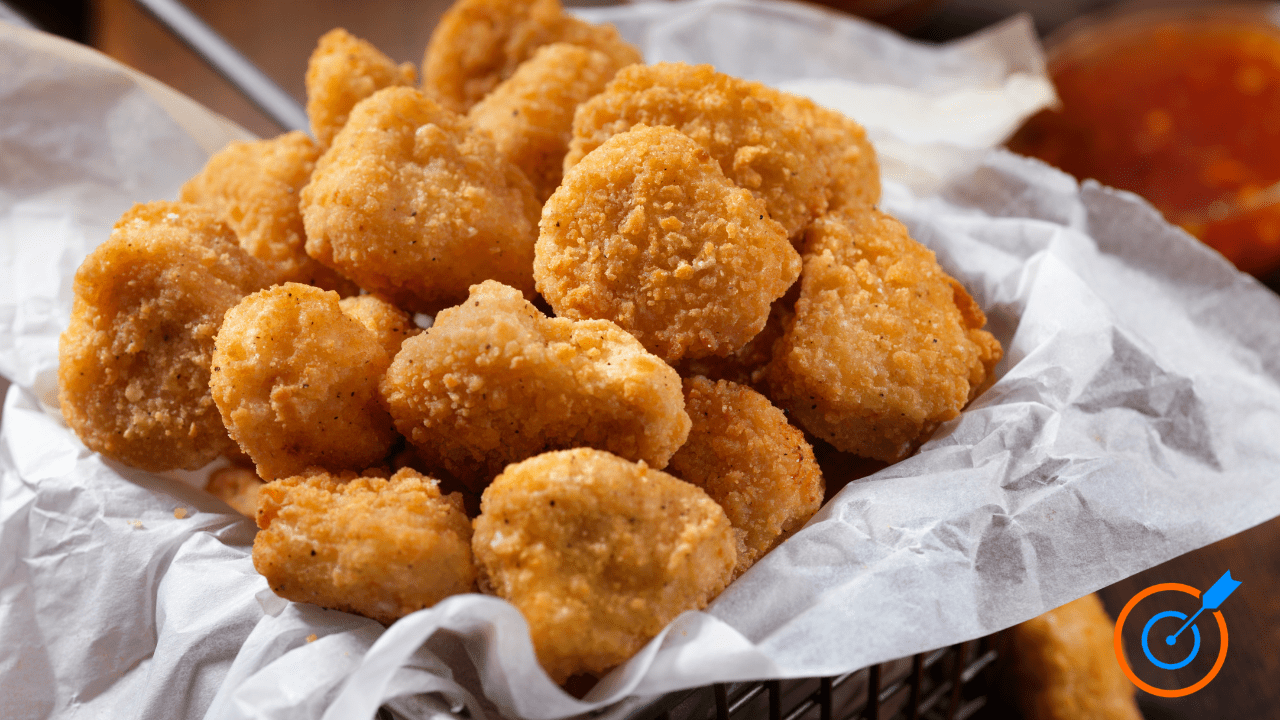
(1182, 108)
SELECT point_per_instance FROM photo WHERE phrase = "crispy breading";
(530, 115)
(378, 547)
(742, 124)
(647, 232)
(237, 487)
(599, 554)
(296, 380)
(494, 381)
(390, 324)
(853, 172)
(254, 186)
(479, 43)
(747, 365)
(742, 451)
(1065, 666)
(409, 203)
(342, 71)
(878, 354)
(133, 365)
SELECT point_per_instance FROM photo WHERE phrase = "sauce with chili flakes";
(1183, 111)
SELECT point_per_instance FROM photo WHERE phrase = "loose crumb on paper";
(311, 638)
(179, 513)
(136, 523)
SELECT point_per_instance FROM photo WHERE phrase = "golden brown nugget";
(296, 380)
(391, 325)
(254, 186)
(479, 43)
(878, 354)
(758, 146)
(742, 451)
(599, 554)
(747, 366)
(133, 365)
(494, 381)
(409, 203)
(1065, 666)
(342, 71)
(647, 232)
(853, 171)
(378, 547)
(530, 115)
(238, 487)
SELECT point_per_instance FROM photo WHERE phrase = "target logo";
(1174, 636)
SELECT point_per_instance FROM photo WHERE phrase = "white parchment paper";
(1135, 417)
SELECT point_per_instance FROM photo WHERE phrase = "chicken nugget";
(1065, 665)
(742, 124)
(494, 381)
(236, 486)
(253, 186)
(853, 172)
(599, 554)
(530, 115)
(296, 380)
(647, 232)
(410, 204)
(378, 547)
(742, 451)
(479, 43)
(133, 365)
(879, 352)
(747, 365)
(390, 324)
(342, 71)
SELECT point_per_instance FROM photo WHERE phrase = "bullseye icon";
(1211, 601)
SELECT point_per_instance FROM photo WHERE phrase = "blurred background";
(279, 36)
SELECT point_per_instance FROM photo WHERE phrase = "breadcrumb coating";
(378, 547)
(411, 204)
(494, 381)
(530, 115)
(391, 325)
(853, 172)
(747, 366)
(479, 43)
(879, 353)
(647, 232)
(133, 365)
(296, 380)
(742, 451)
(342, 71)
(253, 187)
(237, 487)
(599, 554)
(742, 124)
(1065, 665)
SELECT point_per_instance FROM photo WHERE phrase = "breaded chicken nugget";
(530, 115)
(378, 547)
(747, 365)
(758, 146)
(1065, 666)
(342, 71)
(411, 204)
(133, 365)
(494, 381)
(391, 325)
(296, 380)
(879, 353)
(238, 487)
(647, 232)
(853, 172)
(479, 43)
(253, 186)
(599, 554)
(742, 451)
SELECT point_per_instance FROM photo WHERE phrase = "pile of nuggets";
(654, 289)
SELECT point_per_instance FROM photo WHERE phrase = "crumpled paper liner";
(1134, 419)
